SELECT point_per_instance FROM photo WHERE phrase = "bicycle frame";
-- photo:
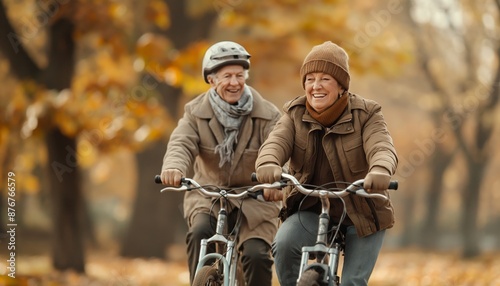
(321, 249)
(229, 261)
(226, 256)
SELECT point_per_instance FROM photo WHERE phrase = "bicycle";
(226, 270)
(326, 252)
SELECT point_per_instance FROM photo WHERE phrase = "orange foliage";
(109, 104)
(365, 31)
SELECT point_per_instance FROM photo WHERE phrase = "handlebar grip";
(393, 185)
(254, 177)
(158, 179)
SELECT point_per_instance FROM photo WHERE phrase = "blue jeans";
(300, 230)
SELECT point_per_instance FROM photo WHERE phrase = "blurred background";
(90, 91)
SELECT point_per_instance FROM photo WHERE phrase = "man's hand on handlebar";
(171, 177)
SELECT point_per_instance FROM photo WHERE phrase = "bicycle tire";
(208, 276)
(310, 277)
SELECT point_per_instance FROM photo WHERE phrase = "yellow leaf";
(158, 12)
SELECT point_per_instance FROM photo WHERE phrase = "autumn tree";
(80, 96)
(57, 76)
(436, 148)
(467, 96)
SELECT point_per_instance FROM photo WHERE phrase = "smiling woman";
(322, 91)
(330, 135)
(325, 78)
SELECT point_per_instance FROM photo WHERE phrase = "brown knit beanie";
(328, 58)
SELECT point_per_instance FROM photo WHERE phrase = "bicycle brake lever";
(359, 192)
(352, 191)
(258, 195)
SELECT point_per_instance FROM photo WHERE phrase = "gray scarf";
(230, 116)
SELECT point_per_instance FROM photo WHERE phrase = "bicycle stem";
(222, 214)
(324, 218)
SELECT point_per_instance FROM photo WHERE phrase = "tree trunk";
(64, 177)
(408, 235)
(157, 219)
(478, 158)
(438, 165)
(67, 200)
(470, 210)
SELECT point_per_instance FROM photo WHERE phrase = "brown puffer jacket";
(358, 141)
(192, 148)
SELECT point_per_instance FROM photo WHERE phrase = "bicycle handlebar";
(354, 188)
(188, 184)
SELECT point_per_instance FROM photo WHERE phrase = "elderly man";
(219, 136)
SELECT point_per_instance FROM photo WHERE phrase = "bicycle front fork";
(224, 261)
(328, 271)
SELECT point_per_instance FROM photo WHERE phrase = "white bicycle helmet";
(223, 54)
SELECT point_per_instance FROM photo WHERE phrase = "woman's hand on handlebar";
(268, 173)
(377, 179)
(171, 177)
(272, 195)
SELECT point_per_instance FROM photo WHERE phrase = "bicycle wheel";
(208, 276)
(310, 277)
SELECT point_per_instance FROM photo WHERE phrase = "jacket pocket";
(355, 154)
(298, 154)
(208, 153)
(244, 168)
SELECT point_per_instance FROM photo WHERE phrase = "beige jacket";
(356, 143)
(192, 145)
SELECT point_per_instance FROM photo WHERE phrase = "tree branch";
(21, 64)
(443, 93)
(485, 114)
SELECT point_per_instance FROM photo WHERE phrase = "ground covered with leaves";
(401, 267)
